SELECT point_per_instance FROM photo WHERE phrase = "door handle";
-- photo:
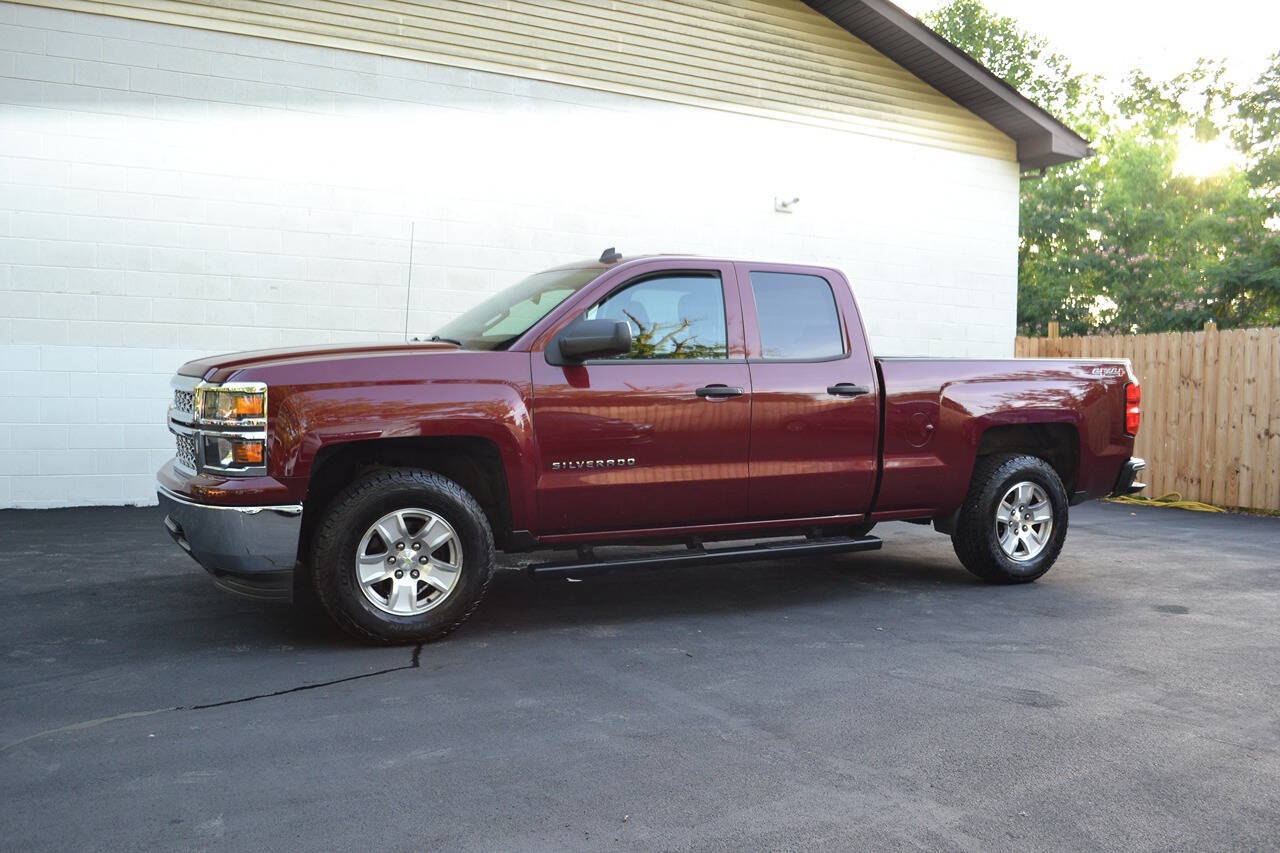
(847, 389)
(717, 391)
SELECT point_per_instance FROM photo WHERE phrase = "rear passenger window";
(797, 316)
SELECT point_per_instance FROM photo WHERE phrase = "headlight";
(233, 452)
(238, 403)
(229, 428)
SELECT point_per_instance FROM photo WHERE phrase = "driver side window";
(671, 316)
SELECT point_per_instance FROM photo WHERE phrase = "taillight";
(1132, 407)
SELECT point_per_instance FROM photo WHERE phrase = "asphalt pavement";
(1128, 700)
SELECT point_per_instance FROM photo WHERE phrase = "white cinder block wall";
(168, 192)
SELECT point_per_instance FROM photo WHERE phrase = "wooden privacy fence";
(1210, 408)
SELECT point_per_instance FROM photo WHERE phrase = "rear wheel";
(1013, 521)
(402, 556)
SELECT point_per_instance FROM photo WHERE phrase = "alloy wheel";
(1024, 521)
(408, 562)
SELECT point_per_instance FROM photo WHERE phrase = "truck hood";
(221, 366)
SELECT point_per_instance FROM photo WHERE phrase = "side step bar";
(706, 556)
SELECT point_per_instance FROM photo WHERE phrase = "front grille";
(184, 401)
(186, 451)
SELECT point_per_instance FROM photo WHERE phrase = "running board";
(707, 556)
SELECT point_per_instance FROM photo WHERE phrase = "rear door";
(814, 416)
(658, 437)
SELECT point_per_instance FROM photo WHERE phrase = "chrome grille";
(184, 401)
(186, 451)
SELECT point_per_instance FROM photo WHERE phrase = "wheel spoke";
(372, 568)
(388, 530)
(1041, 513)
(442, 566)
(404, 595)
(1008, 541)
(1024, 493)
(1004, 513)
(436, 581)
(435, 534)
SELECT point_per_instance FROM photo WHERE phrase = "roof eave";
(1042, 140)
(1051, 149)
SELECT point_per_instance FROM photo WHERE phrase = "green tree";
(1248, 280)
(1121, 241)
(1020, 58)
(1257, 133)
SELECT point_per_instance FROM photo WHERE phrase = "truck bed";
(937, 412)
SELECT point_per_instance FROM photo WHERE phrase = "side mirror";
(593, 338)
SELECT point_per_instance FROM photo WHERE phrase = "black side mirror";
(592, 339)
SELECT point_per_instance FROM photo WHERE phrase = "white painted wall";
(168, 192)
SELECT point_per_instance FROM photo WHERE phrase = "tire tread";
(348, 502)
(970, 540)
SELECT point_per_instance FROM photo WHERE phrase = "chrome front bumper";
(250, 550)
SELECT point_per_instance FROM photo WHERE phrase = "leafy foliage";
(669, 340)
(1123, 241)
(1023, 60)
(1257, 133)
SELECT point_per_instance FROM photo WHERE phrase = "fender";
(406, 395)
(989, 404)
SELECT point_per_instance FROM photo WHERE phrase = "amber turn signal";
(230, 453)
(248, 405)
(247, 452)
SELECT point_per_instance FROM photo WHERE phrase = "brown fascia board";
(1042, 140)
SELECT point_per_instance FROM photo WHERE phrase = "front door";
(815, 415)
(657, 437)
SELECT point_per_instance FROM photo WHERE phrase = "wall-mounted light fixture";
(785, 205)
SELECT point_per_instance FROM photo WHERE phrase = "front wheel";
(1013, 521)
(402, 556)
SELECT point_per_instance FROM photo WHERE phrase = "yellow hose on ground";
(1172, 499)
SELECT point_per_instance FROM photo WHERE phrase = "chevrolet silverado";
(733, 408)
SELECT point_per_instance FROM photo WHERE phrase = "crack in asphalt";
(415, 661)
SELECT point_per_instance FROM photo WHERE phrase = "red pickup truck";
(664, 399)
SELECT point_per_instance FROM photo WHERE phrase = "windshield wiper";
(446, 340)
(506, 342)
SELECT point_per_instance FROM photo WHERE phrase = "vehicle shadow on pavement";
(516, 601)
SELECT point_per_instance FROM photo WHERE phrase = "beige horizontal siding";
(775, 58)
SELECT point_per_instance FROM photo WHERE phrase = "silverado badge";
(628, 462)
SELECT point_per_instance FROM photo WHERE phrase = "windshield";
(508, 314)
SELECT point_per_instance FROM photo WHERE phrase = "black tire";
(343, 525)
(975, 539)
